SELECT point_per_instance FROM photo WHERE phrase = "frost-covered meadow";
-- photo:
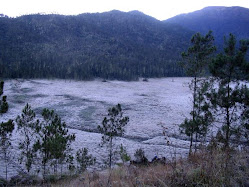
(83, 105)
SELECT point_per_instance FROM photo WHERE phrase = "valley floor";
(83, 105)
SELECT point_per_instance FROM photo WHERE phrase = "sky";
(159, 9)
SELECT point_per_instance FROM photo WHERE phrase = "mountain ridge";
(110, 45)
(221, 20)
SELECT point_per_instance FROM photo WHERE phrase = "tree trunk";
(196, 137)
(193, 115)
(191, 144)
(6, 166)
(110, 154)
(227, 118)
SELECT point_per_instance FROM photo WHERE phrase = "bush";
(3, 182)
(140, 156)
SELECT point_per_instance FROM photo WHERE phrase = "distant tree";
(84, 159)
(112, 126)
(123, 154)
(54, 143)
(195, 63)
(3, 101)
(140, 156)
(29, 128)
(6, 130)
(228, 69)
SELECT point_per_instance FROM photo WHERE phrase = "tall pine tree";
(195, 63)
(228, 69)
(29, 128)
(112, 126)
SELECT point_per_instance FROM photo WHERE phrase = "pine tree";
(228, 68)
(123, 154)
(112, 126)
(6, 129)
(84, 159)
(244, 130)
(195, 62)
(29, 128)
(54, 143)
(3, 101)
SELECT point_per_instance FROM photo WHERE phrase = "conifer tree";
(6, 129)
(123, 154)
(54, 143)
(228, 69)
(112, 126)
(3, 101)
(29, 128)
(195, 62)
(84, 159)
(244, 130)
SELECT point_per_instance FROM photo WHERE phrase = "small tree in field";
(54, 143)
(84, 159)
(3, 101)
(123, 154)
(112, 126)
(29, 128)
(195, 62)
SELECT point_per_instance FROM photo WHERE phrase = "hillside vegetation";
(111, 45)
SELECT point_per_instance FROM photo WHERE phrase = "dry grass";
(216, 168)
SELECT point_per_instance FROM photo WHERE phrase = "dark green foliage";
(54, 143)
(231, 94)
(3, 182)
(196, 59)
(3, 101)
(112, 45)
(112, 126)
(245, 114)
(123, 154)
(140, 156)
(6, 130)
(84, 159)
(29, 128)
(195, 62)
(229, 66)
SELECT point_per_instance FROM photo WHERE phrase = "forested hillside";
(111, 45)
(221, 20)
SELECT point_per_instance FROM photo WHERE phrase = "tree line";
(89, 46)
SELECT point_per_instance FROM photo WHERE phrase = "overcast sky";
(160, 9)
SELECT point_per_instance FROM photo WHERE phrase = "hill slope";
(221, 20)
(108, 45)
